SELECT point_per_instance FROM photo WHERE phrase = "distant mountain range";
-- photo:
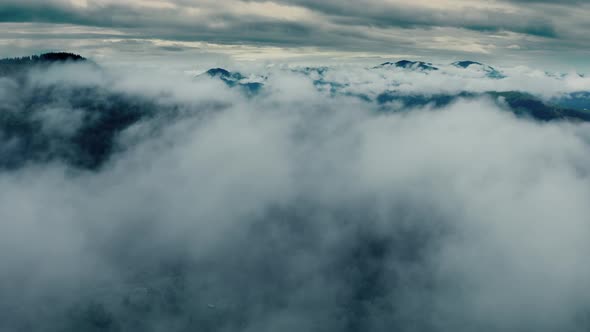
(103, 113)
(574, 106)
(421, 66)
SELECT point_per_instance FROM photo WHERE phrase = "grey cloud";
(398, 15)
(335, 25)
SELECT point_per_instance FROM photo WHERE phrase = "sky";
(539, 33)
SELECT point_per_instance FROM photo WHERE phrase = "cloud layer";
(292, 211)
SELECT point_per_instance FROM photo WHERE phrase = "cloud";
(285, 13)
(294, 210)
(377, 27)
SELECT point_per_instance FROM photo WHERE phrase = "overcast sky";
(503, 32)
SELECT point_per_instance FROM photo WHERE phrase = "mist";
(164, 202)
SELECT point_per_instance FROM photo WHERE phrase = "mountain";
(412, 65)
(43, 58)
(12, 66)
(312, 71)
(235, 79)
(520, 103)
(225, 75)
(525, 104)
(94, 116)
(578, 100)
(490, 71)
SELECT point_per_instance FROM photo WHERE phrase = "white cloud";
(292, 211)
